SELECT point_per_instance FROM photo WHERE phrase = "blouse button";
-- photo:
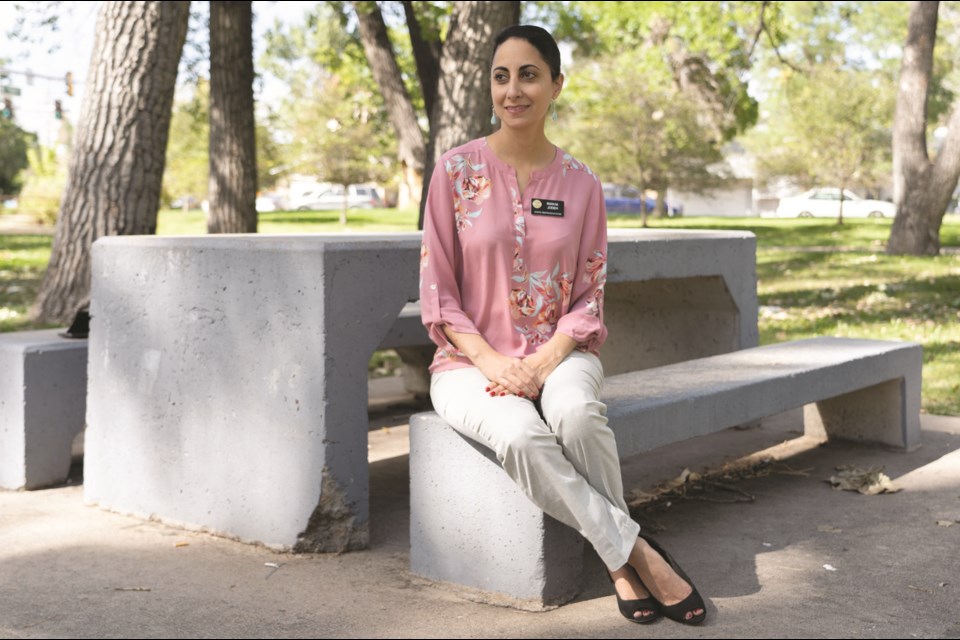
(433, 286)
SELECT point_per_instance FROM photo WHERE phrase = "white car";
(359, 196)
(825, 203)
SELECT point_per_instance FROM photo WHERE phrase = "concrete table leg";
(228, 381)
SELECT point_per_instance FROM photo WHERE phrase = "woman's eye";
(500, 77)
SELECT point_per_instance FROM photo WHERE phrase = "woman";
(512, 272)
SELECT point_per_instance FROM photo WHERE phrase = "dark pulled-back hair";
(539, 38)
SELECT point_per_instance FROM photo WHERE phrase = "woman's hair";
(539, 38)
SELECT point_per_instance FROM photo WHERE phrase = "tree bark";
(462, 110)
(233, 156)
(376, 44)
(921, 188)
(118, 156)
(426, 55)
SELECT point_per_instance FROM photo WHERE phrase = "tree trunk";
(462, 110)
(426, 54)
(921, 188)
(660, 204)
(386, 71)
(644, 214)
(233, 157)
(118, 156)
(840, 212)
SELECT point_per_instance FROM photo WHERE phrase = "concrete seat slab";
(43, 384)
(862, 390)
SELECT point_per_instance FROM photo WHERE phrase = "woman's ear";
(557, 86)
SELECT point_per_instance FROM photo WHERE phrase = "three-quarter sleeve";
(584, 321)
(440, 302)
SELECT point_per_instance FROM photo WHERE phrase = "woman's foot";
(670, 589)
(634, 601)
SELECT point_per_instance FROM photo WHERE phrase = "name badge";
(541, 207)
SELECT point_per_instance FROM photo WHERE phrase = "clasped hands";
(523, 377)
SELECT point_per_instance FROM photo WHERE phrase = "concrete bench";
(228, 373)
(43, 382)
(470, 525)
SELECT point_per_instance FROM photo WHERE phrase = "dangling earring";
(493, 117)
(553, 110)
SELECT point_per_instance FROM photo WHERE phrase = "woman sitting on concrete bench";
(512, 273)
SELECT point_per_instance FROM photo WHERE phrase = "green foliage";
(269, 153)
(333, 123)
(23, 260)
(14, 143)
(703, 47)
(188, 149)
(861, 40)
(44, 183)
(833, 129)
(637, 129)
(657, 88)
(187, 167)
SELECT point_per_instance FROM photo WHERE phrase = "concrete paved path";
(801, 560)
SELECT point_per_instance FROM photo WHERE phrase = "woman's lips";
(516, 109)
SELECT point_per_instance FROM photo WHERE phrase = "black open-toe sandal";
(629, 608)
(683, 610)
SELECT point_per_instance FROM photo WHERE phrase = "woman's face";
(520, 84)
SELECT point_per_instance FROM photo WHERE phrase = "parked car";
(359, 196)
(621, 198)
(825, 203)
(185, 202)
(269, 202)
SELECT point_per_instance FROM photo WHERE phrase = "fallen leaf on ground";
(945, 523)
(686, 476)
(182, 544)
(826, 528)
(868, 482)
(829, 567)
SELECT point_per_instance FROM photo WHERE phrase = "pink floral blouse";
(513, 268)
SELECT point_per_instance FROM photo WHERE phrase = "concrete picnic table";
(228, 374)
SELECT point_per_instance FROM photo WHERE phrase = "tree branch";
(760, 30)
(764, 28)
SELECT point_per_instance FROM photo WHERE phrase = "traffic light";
(57, 110)
(69, 80)
(7, 109)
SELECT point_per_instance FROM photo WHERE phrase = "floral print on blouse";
(514, 268)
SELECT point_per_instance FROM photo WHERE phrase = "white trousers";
(565, 461)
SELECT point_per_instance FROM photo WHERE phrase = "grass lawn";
(815, 278)
(179, 223)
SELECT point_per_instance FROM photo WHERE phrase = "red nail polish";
(492, 393)
(521, 394)
(503, 393)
